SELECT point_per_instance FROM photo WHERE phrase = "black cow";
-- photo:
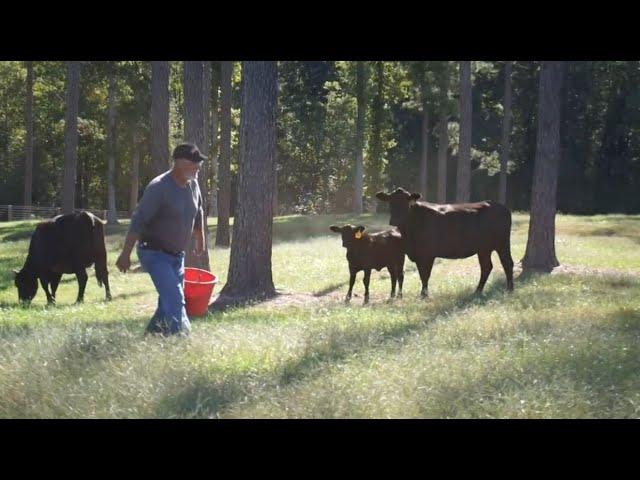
(367, 251)
(64, 244)
(451, 231)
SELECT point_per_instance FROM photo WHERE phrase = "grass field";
(564, 345)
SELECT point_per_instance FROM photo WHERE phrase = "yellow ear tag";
(358, 235)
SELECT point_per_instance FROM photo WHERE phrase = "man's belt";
(151, 246)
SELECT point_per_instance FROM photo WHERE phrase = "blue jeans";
(167, 273)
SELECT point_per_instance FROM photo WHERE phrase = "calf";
(65, 244)
(377, 250)
(451, 231)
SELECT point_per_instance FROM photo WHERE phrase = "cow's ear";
(382, 196)
(415, 196)
(335, 228)
(15, 272)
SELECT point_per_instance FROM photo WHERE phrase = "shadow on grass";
(330, 289)
(202, 397)
(601, 367)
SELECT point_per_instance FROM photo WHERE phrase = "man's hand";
(199, 242)
(123, 263)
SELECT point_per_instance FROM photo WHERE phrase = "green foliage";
(600, 130)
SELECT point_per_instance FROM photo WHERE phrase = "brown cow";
(376, 250)
(64, 244)
(451, 231)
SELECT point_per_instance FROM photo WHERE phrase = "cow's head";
(399, 202)
(27, 285)
(350, 233)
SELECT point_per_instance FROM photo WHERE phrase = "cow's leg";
(55, 281)
(400, 267)
(424, 268)
(106, 287)
(102, 274)
(81, 275)
(394, 279)
(507, 263)
(485, 269)
(352, 280)
(44, 281)
(365, 280)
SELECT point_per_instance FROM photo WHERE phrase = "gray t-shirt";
(167, 213)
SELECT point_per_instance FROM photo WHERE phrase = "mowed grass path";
(562, 346)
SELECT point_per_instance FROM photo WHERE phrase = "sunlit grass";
(559, 346)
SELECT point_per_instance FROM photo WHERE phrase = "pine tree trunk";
(213, 177)
(112, 216)
(159, 117)
(359, 171)
(506, 134)
(374, 163)
(540, 253)
(424, 154)
(203, 176)
(71, 136)
(135, 174)
(250, 274)
(463, 179)
(224, 168)
(194, 132)
(443, 137)
(28, 166)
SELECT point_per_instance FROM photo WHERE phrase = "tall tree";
(359, 167)
(159, 117)
(135, 173)
(224, 169)
(71, 136)
(194, 132)
(540, 253)
(28, 166)
(443, 134)
(424, 152)
(112, 216)
(463, 181)
(376, 152)
(506, 134)
(213, 176)
(250, 259)
(206, 111)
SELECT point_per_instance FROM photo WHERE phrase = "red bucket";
(198, 287)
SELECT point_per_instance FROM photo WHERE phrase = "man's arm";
(124, 262)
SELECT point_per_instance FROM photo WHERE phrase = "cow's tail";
(100, 249)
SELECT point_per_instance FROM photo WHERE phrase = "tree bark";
(250, 274)
(194, 132)
(443, 137)
(213, 177)
(424, 154)
(206, 110)
(374, 161)
(224, 171)
(135, 174)
(506, 134)
(159, 117)
(112, 216)
(28, 166)
(71, 136)
(359, 170)
(463, 179)
(540, 252)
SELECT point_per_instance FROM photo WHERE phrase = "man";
(162, 223)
